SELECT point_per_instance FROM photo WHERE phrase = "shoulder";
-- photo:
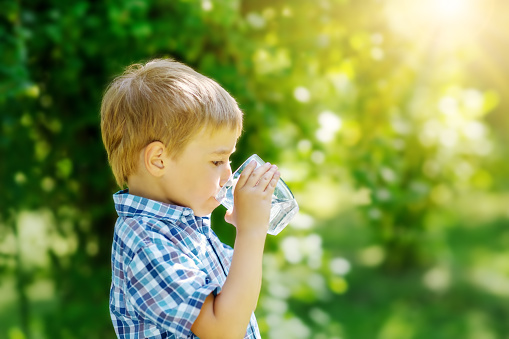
(136, 233)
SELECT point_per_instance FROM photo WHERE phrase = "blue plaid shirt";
(165, 261)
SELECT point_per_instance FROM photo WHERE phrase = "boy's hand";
(253, 197)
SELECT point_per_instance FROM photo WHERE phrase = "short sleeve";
(167, 288)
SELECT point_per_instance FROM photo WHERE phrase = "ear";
(154, 158)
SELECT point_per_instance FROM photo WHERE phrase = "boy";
(169, 132)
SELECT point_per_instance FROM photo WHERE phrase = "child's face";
(194, 178)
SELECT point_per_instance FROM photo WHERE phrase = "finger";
(267, 177)
(257, 174)
(246, 173)
(273, 183)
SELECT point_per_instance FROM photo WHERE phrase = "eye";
(219, 163)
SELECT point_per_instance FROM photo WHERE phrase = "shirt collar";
(129, 205)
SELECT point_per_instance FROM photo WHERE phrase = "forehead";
(217, 141)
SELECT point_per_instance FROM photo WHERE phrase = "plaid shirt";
(165, 261)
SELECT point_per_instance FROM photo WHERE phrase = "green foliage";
(386, 119)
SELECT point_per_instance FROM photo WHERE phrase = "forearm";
(241, 290)
(227, 315)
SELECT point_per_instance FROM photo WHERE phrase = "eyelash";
(219, 163)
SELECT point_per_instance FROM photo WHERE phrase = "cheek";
(208, 182)
(214, 178)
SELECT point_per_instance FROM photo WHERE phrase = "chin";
(206, 210)
(202, 213)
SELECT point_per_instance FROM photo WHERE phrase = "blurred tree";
(377, 113)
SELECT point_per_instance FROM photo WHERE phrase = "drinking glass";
(284, 206)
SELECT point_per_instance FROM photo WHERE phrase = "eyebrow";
(223, 151)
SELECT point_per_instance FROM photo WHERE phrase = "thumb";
(228, 217)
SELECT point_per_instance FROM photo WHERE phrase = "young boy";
(169, 132)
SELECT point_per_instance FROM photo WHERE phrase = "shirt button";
(186, 213)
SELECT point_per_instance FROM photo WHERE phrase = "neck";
(145, 187)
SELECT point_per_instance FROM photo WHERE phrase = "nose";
(225, 175)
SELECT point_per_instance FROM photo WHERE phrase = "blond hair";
(162, 100)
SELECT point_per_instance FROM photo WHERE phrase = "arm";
(227, 314)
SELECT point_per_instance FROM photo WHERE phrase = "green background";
(388, 120)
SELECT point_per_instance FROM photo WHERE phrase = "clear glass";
(284, 205)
